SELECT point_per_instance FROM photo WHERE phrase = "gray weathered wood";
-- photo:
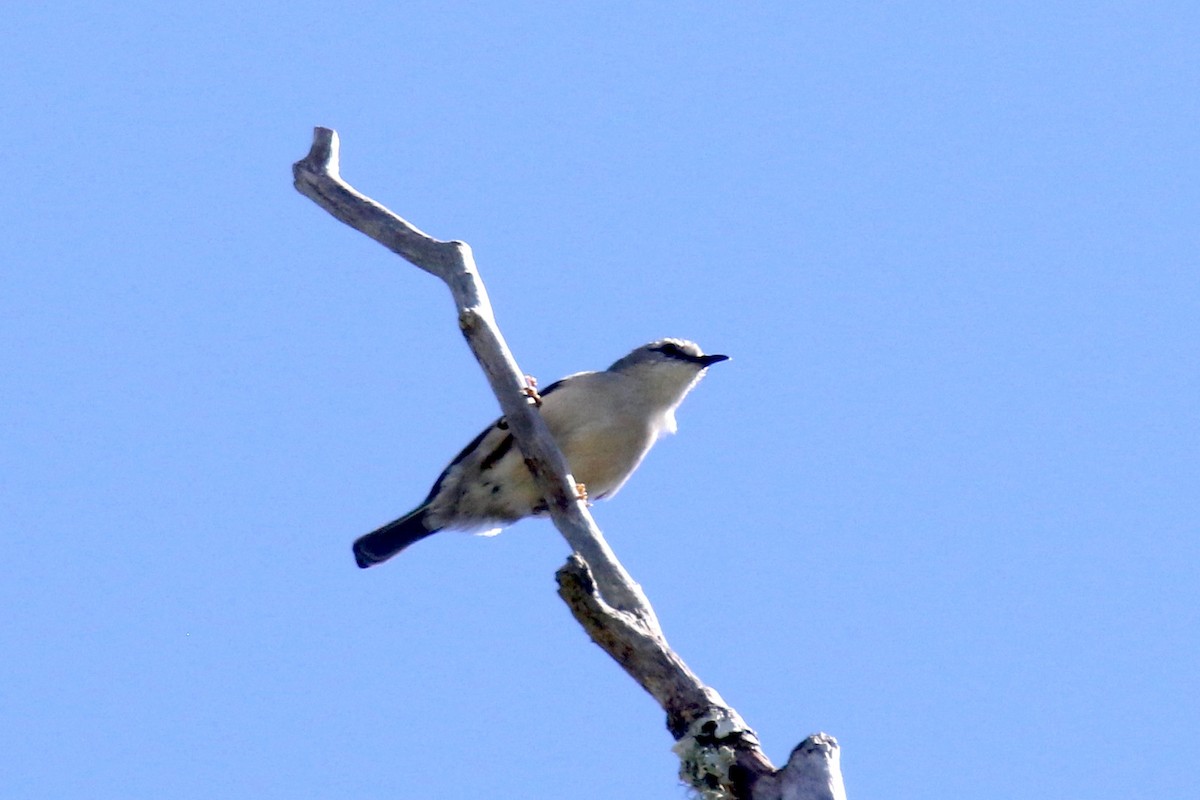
(813, 772)
(720, 755)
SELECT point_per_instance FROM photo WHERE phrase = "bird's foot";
(530, 390)
(581, 493)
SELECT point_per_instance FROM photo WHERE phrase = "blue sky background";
(942, 504)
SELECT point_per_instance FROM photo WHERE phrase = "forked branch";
(720, 755)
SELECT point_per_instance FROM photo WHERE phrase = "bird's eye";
(671, 349)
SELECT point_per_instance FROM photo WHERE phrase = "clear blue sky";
(943, 503)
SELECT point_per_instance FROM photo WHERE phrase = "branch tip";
(324, 155)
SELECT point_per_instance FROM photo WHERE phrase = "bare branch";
(317, 177)
(697, 717)
(719, 754)
(643, 653)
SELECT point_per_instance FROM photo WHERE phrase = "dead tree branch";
(720, 754)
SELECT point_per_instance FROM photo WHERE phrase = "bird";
(604, 422)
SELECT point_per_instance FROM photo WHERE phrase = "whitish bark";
(720, 756)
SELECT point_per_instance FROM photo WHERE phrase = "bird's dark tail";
(381, 544)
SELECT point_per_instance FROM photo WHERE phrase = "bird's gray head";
(668, 354)
(664, 372)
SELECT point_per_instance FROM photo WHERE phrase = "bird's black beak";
(708, 361)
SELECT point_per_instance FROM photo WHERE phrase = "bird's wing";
(492, 442)
(499, 433)
(558, 384)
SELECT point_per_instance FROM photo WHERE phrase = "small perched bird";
(604, 422)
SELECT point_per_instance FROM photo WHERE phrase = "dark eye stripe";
(672, 350)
